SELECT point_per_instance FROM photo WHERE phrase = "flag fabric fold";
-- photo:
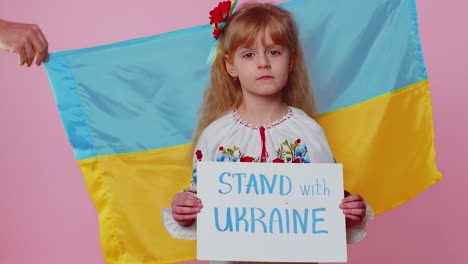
(129, 109)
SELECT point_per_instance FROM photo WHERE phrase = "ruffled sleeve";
(358, 232)
(176, 230)
(172, 227)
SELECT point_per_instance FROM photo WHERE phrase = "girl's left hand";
(354, 209)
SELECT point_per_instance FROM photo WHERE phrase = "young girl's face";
(262, 68)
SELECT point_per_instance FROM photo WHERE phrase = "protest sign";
(271, 212)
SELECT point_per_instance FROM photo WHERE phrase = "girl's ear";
(229, 66)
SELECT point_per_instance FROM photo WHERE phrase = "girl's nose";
(263, 62)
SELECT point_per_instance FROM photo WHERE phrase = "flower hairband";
(218, 19)
(219, 16)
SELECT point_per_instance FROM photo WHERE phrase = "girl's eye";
(275, 52)
(248, 55)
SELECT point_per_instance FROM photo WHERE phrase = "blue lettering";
(302, 221)
(306, 189)
(221, 176)
(317, 184)
(264, 181)
(259, 219)
(287, 220)
(282, 185)
(239, 180)
(252, 183)
(228, 226)
(326, 190)
(315, 220)
(241, 218)
(279, 220)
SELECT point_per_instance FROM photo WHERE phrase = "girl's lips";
(266, 77)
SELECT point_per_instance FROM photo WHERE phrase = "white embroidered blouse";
(295, 138)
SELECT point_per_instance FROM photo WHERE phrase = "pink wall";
(46, 215)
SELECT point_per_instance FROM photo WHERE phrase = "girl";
(258, 107)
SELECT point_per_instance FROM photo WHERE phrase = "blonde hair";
(224, 94)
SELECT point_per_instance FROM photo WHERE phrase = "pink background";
(46, 215)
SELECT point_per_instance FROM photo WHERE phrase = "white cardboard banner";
(271, 212)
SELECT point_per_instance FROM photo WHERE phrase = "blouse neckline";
(239, 119)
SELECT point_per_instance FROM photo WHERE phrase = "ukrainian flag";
(129, 109)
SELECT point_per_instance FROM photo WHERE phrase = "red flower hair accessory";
(219, 16)
(218, 19)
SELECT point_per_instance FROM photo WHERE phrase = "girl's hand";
(354, 208)
(185, 208)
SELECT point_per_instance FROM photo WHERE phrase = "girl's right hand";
(185, 208)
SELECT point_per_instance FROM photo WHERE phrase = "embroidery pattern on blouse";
(292, 153)
(233, 155)
(239, 119)
(295, 152)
